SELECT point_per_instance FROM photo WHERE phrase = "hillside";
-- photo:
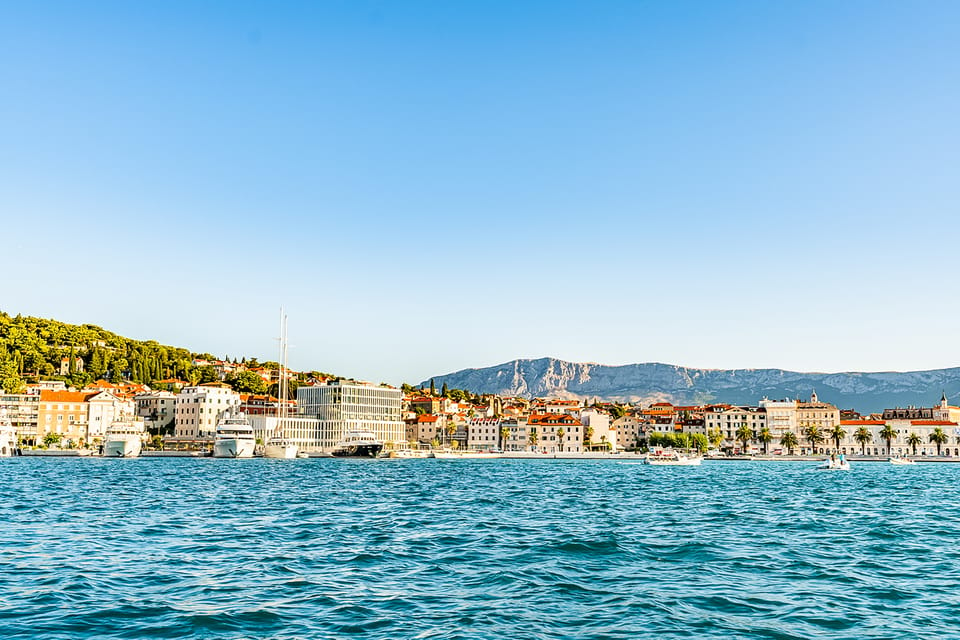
(653, 382)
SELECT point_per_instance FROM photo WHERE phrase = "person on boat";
(843, 459)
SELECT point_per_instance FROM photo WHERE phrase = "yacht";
(899, 460)
(234, 437)
(123, 439)
(358, 444)
(277, 447)
(8, 437)
(672, 459)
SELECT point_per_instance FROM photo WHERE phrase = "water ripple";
(176, 548)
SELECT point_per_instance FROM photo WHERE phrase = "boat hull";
(281, 451)
(366, 450)
(122, 448)
(233, 448)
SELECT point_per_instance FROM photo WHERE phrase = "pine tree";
(433, 388)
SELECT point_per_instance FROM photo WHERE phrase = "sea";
(444, 549)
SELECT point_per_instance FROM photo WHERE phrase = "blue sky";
(430, 186)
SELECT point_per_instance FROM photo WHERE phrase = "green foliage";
(617, 412)
(246, 382)
(789, 440)
(52, 439)
(700, 442)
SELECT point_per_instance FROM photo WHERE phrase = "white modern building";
(341, 406)
(199, 408)
(484, 433)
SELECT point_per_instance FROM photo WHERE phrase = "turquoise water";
(178, 548)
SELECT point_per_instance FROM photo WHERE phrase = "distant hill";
(655, 382)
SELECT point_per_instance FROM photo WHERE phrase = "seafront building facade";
(198, 409)
(339, 407)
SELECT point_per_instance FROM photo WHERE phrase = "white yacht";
(234, 437)
(671, 459)
(901, 460)
(358, 444)
(123, 438)
(8, 437)
(280, 448)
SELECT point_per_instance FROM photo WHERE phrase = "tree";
(52, 439)
(587, 435)
(744, 434)
(813, 435)
(715, 436)
(504, 434)
(617, 412)
(433, 388)
(789, 440)
(837, 434)
(863, 437)
(560, 434)
(443, 390)
(533, 439)
(765, 437)
(449, 430)
(913, 440)
(700, 442)
(246, 382)
(939, 438)
(888, 434)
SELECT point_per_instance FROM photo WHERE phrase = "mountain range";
(655, 382)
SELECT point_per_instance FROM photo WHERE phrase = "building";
(629, 431)
(483, 434)
(597, 425)
(102, 410)
(555, 433)
(63, 413)
(730, 420)
(158, 410)
(342, 406)
(21, 410)
(197, 410)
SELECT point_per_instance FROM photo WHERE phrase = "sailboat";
(278, 443)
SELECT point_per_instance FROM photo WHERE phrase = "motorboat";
(837, 464)
(466, 455)
(234, 437)
(280, 448)
(123, 439)
(899, 460)
(358, 444)
(672, 459)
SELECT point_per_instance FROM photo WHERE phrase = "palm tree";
(888, 434)
(533, 439)
(813, 435)
(715, 436)
(789, 440)
(744, 434)
(449, 430)
(863, 436)
(913, 440)
(588, 436)
(560, 434)
(765, 437)
(939, 438)
(837, 434)
(504, 434)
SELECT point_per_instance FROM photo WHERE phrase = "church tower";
(813, 397)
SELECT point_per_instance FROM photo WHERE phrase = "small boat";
(834, 465)
(123, 439)
(281, 449)
(407, 451)
(899, 460)
(358, 444)
(672, 459)
(234, 437)
(465, 455)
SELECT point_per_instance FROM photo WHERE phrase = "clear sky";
(431, 186)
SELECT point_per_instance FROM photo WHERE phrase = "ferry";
(234, 437)
(123, 439)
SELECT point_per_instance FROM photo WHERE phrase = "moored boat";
(123, 439)
(358, 444)
(466, 455)
(900, 461)
(281, 449)
(672, 459)
(234, 437)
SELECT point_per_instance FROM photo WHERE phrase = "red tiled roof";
(863, 423)
(933, 423)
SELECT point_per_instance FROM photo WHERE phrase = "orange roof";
(65, 396)
(864, 423)
(933, 423)
(426, 418)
